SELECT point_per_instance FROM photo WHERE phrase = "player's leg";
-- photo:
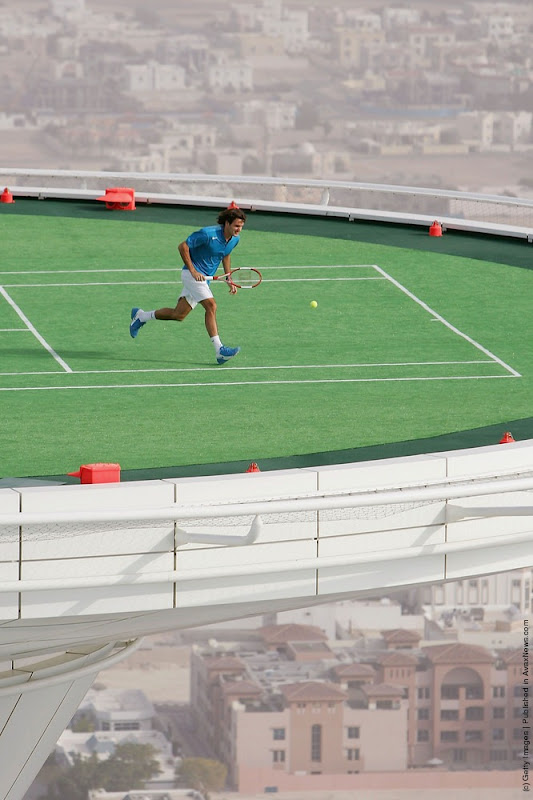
(140, 317)
(210, 308)
(182, 308)
(191, 294)
(222, 352)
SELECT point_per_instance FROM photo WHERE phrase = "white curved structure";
(87, 570)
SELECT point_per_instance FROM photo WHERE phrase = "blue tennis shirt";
(208, 247)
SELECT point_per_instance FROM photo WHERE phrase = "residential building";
(116, 710)
(353, 48)
(494, 592)
(362, 20)
(476, 128)
(271, 711)
(153, 76)
(277, 115)
(423, 40)
(228, 74)
(513, 127)
(111, 717)
(297, 705)
(395, 17)
(255, 47)
(498, 27)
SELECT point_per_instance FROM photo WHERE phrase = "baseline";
(253, 383)
(261, 367)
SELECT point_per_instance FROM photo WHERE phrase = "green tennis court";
(411, 340)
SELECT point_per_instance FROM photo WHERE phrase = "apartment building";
(311, 708)
(492, 592)
(353, 48)
(116, 710)
(277, 711)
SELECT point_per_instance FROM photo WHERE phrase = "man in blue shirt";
(202, 253)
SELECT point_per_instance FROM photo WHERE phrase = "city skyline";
(365, 91)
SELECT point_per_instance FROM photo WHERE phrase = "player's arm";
(226, 263)
(185, 253)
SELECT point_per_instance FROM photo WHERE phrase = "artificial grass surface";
(194, 412)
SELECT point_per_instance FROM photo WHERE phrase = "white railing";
(403, 204)
(503, 484)
(317, 501)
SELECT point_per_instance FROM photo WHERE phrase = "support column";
(38, 701)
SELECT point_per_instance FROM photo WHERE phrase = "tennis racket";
(241, 277)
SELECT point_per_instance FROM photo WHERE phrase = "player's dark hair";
(231, 214)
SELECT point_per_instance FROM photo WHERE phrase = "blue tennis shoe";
(136, 323)
(225, 353)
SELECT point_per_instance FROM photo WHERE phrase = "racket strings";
(246, 277)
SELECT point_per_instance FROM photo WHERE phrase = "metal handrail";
(266, 568)
(263, 180)
(318, 501)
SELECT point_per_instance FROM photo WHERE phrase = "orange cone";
(6, 196)
(253, 467)
(506, 438)
(435, 229)
(233, 204)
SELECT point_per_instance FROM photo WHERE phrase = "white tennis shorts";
(194, 291)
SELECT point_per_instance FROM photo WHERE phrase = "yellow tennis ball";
(313, 303)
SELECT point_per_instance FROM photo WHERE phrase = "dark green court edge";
(481, 284)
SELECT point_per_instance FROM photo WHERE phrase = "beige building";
(354, 48)
(266, 726)
(493, 592)
(291, 708)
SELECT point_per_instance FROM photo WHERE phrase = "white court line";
(247, 383)
(33, 330)
(89, 283)
(254, 369)
(173, 283)
(14, 330)
(448, 324)
(384, 276)
(166, 269)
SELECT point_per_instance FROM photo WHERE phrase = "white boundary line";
(384, 276)
(223, 383)
(174, 283)
(177, 270)
(90, 283)
(168, 269)
(33, 330)
(254, 369)
(448, 324)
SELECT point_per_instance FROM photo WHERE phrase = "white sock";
(145, 316)
(217, 343)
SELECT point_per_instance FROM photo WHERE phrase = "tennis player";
(202, 253)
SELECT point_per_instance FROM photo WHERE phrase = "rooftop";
(114, 260)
